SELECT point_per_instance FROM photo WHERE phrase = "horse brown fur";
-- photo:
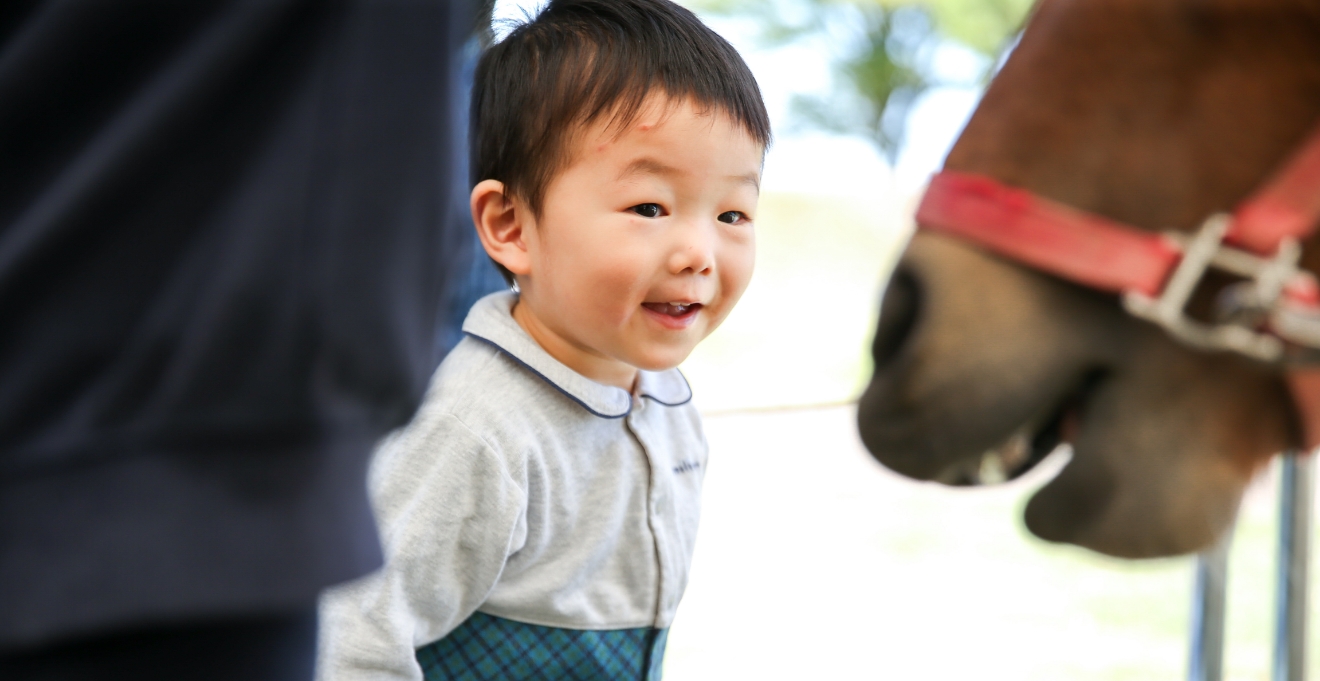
(1156, 113)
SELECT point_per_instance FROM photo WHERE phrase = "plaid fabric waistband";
(486, 648)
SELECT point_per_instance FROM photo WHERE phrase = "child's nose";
(695, 250)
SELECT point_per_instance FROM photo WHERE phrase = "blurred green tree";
(881, 52)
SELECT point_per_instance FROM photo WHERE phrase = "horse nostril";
(898, 316)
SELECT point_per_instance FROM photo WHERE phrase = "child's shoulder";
(490, 392)
(464, 416)
(474, 379)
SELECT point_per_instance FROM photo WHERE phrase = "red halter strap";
(1288, 205)
(1081, 247)
(1157, 273)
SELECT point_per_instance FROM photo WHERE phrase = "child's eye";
(647, 210)
(731, 217)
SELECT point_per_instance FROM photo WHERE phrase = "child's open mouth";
(676, 315)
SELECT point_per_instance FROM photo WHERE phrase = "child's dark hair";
(579, 60)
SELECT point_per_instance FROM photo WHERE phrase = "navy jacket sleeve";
(223, 247)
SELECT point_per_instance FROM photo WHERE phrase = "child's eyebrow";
(646, 165)
(752, 178)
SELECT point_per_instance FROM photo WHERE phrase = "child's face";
(644, 243)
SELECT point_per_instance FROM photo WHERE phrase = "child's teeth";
(672, 308)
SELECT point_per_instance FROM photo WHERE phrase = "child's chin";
(661, 361)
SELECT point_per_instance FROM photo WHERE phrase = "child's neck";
(605, 370)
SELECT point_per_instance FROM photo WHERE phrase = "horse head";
(1156, 114)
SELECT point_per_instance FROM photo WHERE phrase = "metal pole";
(1208, 606)
(1296, 489)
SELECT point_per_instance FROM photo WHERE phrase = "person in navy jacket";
(224, 247)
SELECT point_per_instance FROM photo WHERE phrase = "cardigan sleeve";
(451, 511)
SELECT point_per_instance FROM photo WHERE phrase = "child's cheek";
(736, 263)
(619, 286)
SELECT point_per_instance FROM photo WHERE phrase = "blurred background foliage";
(882, 52)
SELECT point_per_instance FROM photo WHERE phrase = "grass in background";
(813, 562)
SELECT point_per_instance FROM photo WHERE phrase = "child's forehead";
(654, 111)
(652, 123)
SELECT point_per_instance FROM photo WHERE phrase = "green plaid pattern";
(486, 648)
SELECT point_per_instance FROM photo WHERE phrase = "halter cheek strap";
(1286, 206)
(1273, 316)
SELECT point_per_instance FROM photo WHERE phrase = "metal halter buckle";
(1244, 308)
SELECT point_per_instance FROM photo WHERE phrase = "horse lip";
(1028, 445)
(1018, 454)
(1010, 459)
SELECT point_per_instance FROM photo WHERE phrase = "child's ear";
(501, 222)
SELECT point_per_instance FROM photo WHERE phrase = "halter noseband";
(1272, 316)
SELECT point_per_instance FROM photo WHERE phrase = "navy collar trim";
(575, 398)
(490, 322)
(545, 378)
(661, 402)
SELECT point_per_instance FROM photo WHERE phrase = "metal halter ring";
(1256, 303)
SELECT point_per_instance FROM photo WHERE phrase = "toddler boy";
(538, 514)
